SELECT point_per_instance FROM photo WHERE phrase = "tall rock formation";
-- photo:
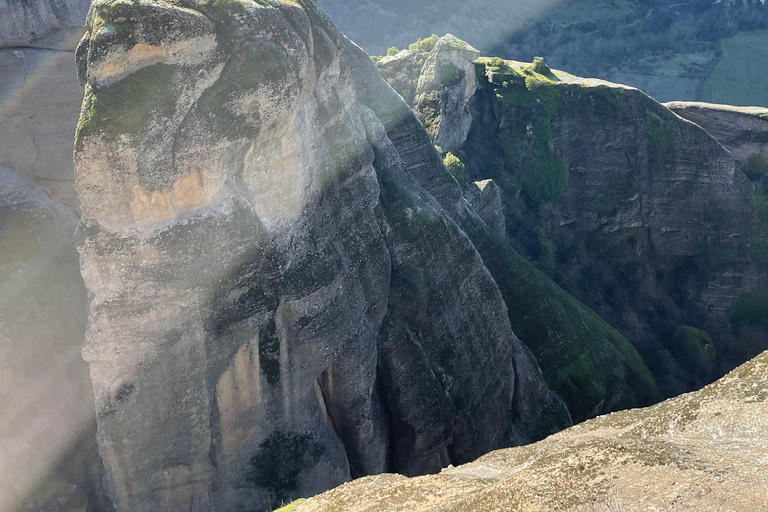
(641, 215)
(281, 295)
(587, 362)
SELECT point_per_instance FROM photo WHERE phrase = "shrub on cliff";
(540, 66)
(454, 165)
(496, 62)
(756, 167)
(424, 45)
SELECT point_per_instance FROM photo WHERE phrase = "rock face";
(42, 23)
(440, 84)
(702, 451)
(48, 455)
(485, 199)
(40, 95)
(283, 294)
(641, 215)
(741, 130)
(584, 360)
(40, 100)
(47, 427)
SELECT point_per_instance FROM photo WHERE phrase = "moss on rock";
(126, 106)
(584, 360)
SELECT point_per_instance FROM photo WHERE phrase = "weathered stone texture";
(702, 451)
(277, 304)
(741, 130)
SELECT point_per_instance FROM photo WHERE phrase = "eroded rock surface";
(707, 450)
(587, 362)
(281, 296)
(48, 455)
(485, 199)
(40, 99)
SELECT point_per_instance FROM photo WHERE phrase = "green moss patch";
(291, 506)
(584, 360)
(526, 138)
(455, 167)
(692, 347)
(756, 167)
(126, 106)
(400, 206)
(660, 141)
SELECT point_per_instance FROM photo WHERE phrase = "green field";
(741, 75)
(584, 11)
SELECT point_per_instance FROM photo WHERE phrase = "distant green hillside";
(741, 74)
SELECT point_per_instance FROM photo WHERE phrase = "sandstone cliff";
(707, 450)
(286, 286)
(639, 214)
(282, 298)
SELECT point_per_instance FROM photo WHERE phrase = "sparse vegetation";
(392, 50)
(580, 366)
(456, 168)
(496, 62)
(424, 45)
(540, 66)
(756, 167)
(127, 105)
(291, 506)
(528, 156)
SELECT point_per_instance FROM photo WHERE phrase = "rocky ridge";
(287, 287)
(706, 450)
(741, 130)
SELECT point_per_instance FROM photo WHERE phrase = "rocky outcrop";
(741, 130)
(282, 293)
(641, 215)
(440, 84)
(485, 199)
(590, 365)
(42, 23)
(49, 451)
(40, 103)
(702, 451)
(39, 93)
